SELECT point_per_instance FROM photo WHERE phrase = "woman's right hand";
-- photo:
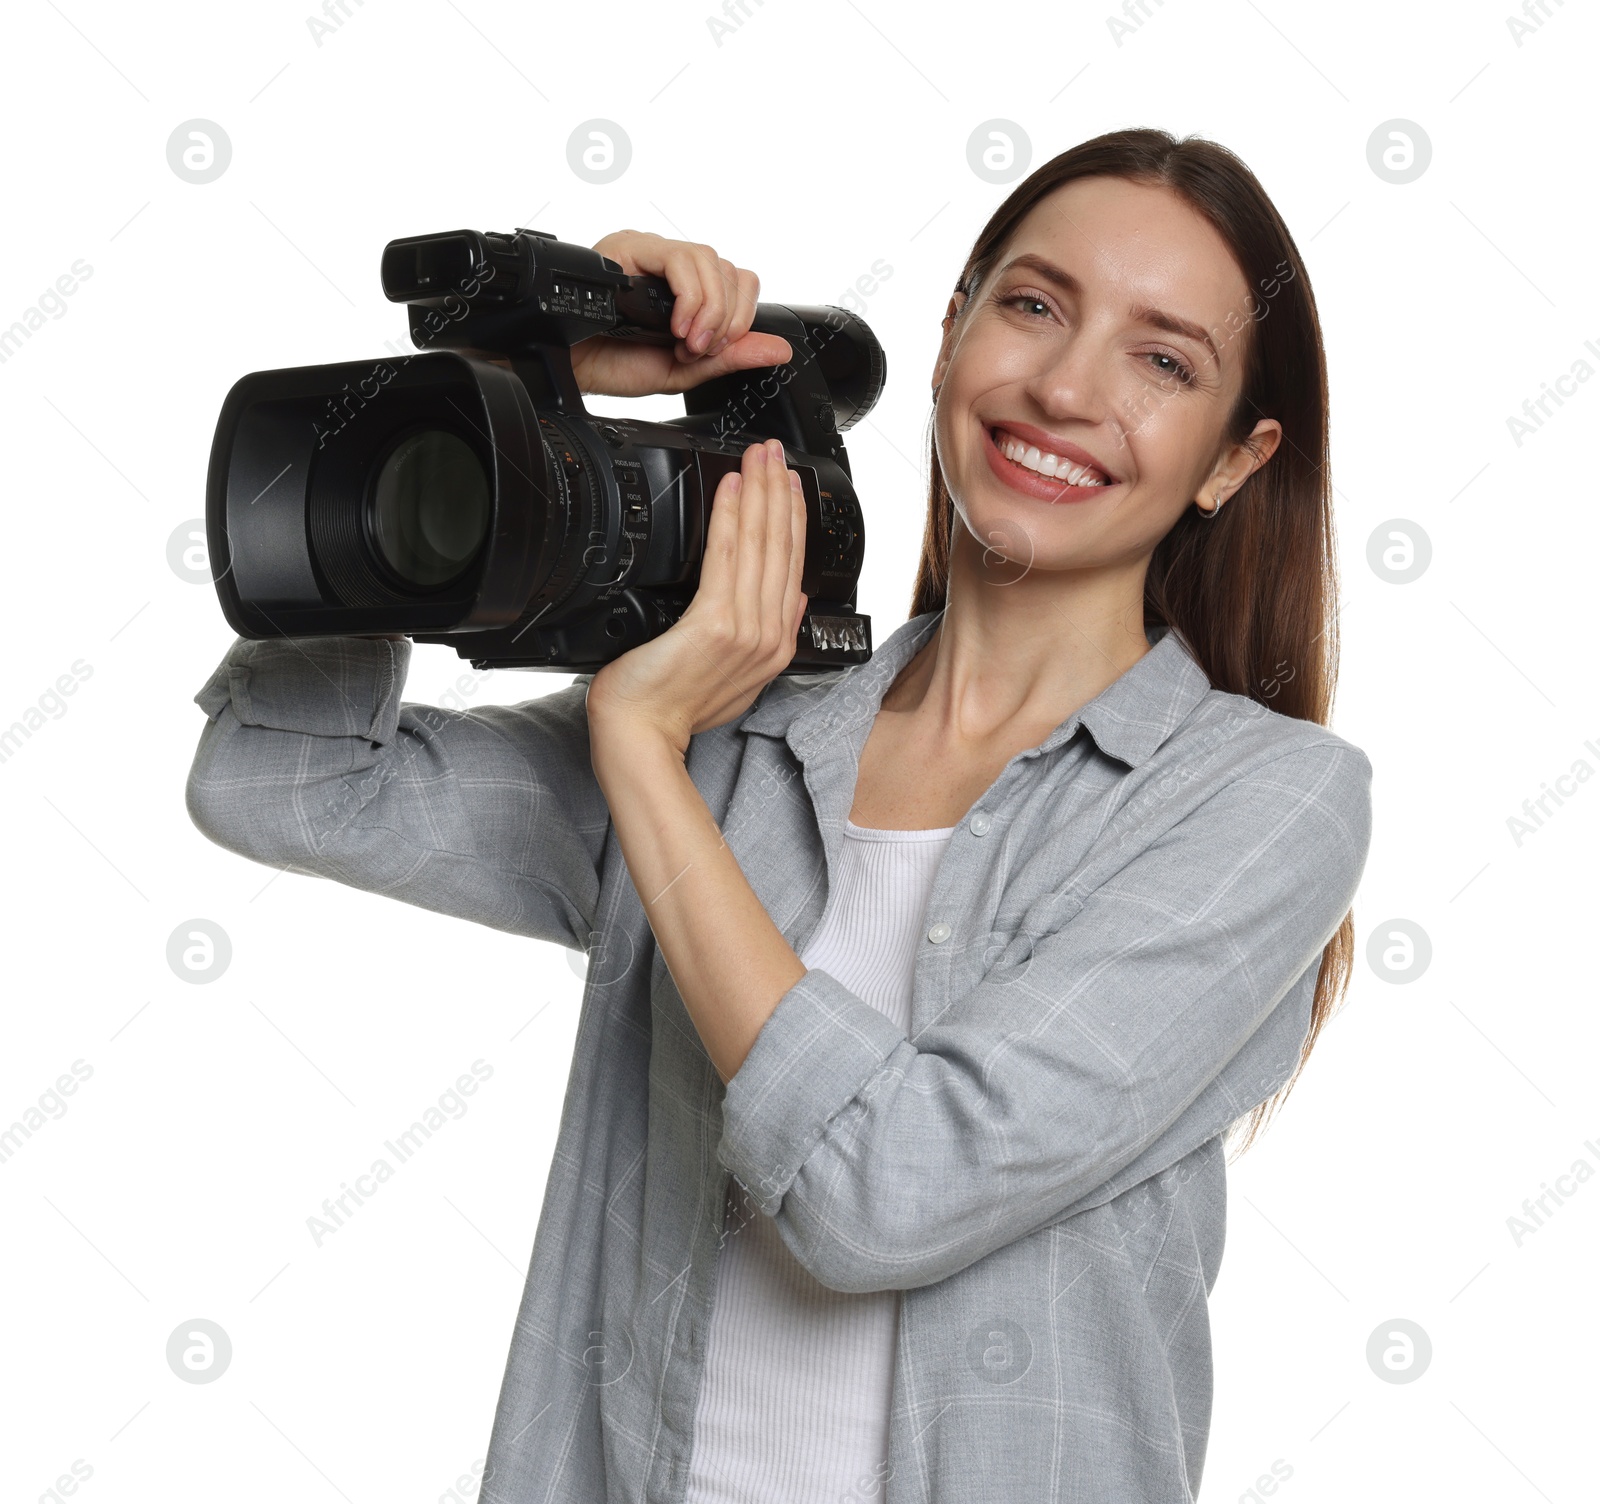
(714, 304)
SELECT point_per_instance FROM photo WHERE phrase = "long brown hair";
(1252, 592)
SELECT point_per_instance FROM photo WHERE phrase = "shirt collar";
(1129, 719)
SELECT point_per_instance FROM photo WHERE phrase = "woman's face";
(1104, 332)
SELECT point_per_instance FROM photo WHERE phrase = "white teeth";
(1052, 465)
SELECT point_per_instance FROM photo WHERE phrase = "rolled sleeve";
(323, 686)
(1119, 1041)
(310, 760)
(820, 1050)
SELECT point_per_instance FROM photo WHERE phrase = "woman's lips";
(1030, 482)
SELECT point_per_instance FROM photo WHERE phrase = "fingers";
(756, 495)
(741, 311)
(794, 599)
(684, 267)
(719, 284)
(714, 301)
(781, 481)
(754, 556)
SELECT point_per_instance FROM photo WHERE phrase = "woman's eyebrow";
(1156, 317)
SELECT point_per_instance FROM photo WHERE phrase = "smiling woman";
(922, 995)
(1128, 251)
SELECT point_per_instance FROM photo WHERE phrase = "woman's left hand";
(739, 631)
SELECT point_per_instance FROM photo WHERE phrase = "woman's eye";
(1028, 299)
(1036, 307)
(1176, 368)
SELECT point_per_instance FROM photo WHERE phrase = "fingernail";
(794, 480)
(699, 339)
(720, 345)
(735, 480)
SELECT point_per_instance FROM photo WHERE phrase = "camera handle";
(526, 298)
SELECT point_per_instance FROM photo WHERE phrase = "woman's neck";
(1020, 648)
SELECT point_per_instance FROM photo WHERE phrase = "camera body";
(465, 496)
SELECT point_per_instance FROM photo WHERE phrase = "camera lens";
(429, 508)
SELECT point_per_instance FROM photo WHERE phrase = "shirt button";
(939, 933)
(980, 824)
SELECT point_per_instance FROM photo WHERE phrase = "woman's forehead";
(1131, 241)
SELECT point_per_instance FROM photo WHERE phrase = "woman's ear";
(958, 301)
(1242, 461)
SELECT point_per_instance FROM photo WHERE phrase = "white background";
(813, 141)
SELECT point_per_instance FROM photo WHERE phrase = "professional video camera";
(464, 496)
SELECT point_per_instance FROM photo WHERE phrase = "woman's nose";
(1070, 380)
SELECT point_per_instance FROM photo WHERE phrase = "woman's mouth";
(1047, 477)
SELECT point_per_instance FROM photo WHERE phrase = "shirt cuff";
(820, 1050)
(327, 686)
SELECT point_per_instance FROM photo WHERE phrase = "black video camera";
(464, 496)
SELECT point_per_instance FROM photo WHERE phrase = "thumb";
(754, 349)
(745, 353)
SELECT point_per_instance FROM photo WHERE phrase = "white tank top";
(794, 1403)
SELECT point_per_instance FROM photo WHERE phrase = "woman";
(891, 1162)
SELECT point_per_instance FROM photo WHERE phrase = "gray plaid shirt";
(1121, 947)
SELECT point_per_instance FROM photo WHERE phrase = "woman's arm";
(729, 960)
(1163, 1005)
(309, 759)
